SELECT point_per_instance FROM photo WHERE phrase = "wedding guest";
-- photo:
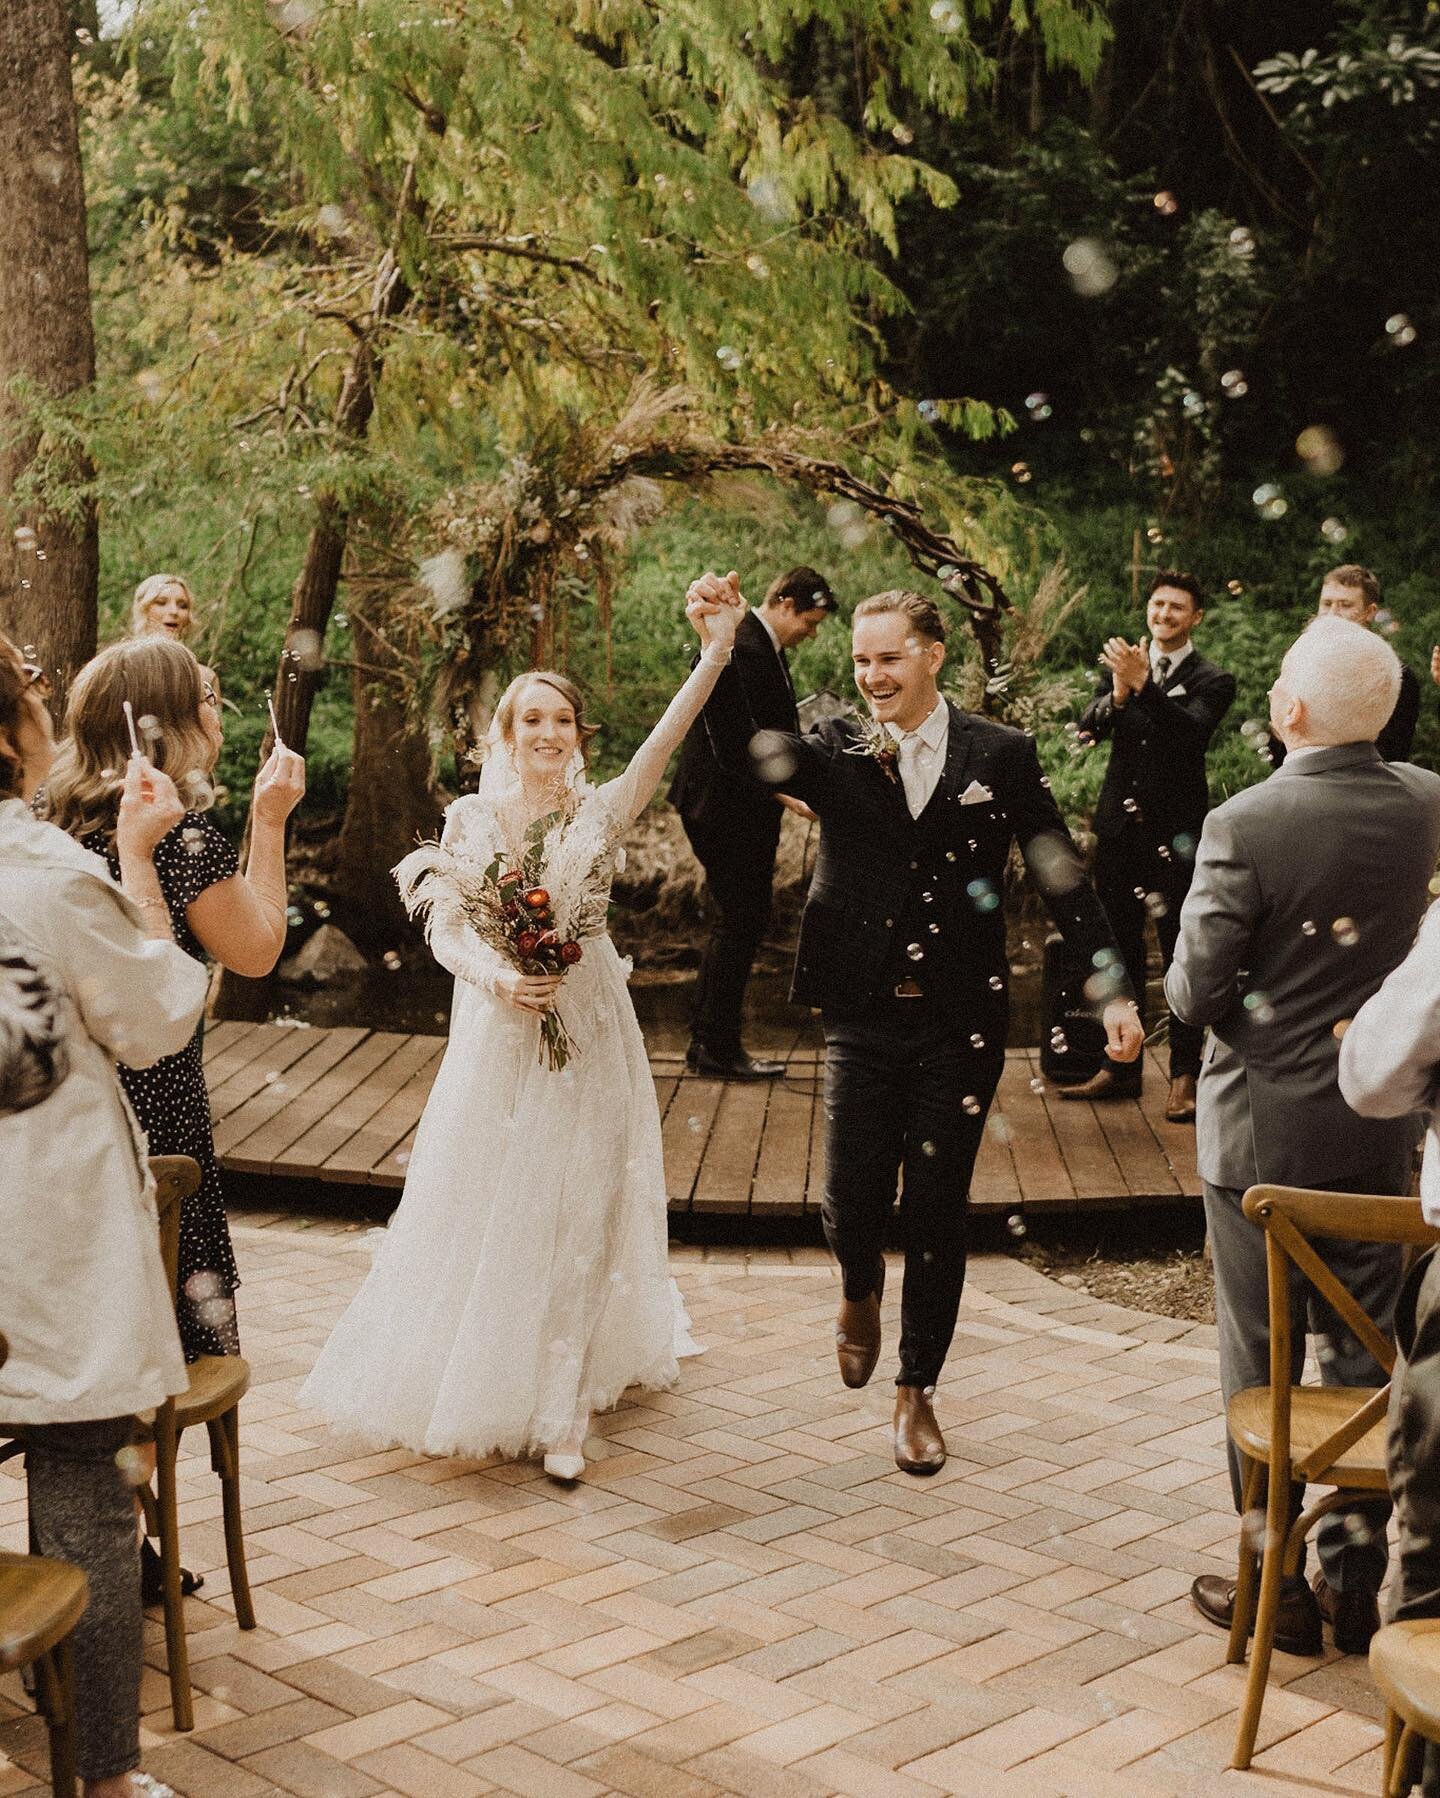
(84, 1299)
(902, 948)
(1390, 1068)
(164, 606)
(1353, 593)
(1306, 895)
(733, 822)
(1158, 705)
(215, 910)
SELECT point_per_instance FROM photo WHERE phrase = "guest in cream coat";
(84, 1301)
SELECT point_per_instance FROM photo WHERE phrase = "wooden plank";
(1089, 1159)
(1146, 1170)
(219, 1036)
(1177, 1141)
(264, 1070)
(994, 1185)
(727, 1169)
(388, 1126)
(685, 1133)
(784, 1162)
(324, 1049)
(264, 1151)
(665, 1089)
(331, 1132)
(1039, 1165)
(254, 1040)
(391, 1169)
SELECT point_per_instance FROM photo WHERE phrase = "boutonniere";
(875, 740)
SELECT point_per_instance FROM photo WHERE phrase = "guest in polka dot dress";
(216, 912)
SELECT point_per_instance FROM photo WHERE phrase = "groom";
(902, 948)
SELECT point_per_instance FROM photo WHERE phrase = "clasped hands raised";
(714, 605)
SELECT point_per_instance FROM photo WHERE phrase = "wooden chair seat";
(1405, 1665)
(217, 1384)
(1316, 1412)
(40, 1603)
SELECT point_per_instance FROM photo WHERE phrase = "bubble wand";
(274, 723)
(129, 712)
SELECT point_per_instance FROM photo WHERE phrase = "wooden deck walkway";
(343, 1105)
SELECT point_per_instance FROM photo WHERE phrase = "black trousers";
(906, 1091)
(1121, 865)
(740, 870)
(1413, 1457)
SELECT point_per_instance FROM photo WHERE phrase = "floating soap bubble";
(1319, 449)
(773, 757)
(1259, 1008)
(1154, 534)
(914, 952)
(1399, 330)
(1235, 587)
(997, 985)
(1021, 472)
(1270, 502)
(1333, 530)
(26, 542)
(1386, 622)
(1166, 204)
(928, 410)
(1090, 270)
(1242, 244)
(1308, 927)
(1192, 403)
(946, 16)
(728, 357)
(1038, 406)
(1037, 1085)
(902, 134)
(971, 1106)
(927, 1148)
(1015, 1224)
(976, 1040)
(1233, 384)
(1345, 932)
(391, 959)
(934, 929)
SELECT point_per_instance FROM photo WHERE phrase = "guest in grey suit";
(1307, 892)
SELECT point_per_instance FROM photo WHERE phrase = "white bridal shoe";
(564, 1467)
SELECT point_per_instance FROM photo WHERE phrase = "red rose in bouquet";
(570, 952)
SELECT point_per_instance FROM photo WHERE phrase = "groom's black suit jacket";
(883, 879)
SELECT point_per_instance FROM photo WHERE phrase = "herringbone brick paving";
(744, 1595)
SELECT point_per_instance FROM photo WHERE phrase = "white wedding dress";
(523, 1282)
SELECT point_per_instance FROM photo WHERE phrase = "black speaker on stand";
(1072, 1038)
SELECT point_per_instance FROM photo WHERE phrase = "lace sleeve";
(457, 948)
(629, 793)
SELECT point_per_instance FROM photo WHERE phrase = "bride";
(523, 1282)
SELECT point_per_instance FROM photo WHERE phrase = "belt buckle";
(909, 989)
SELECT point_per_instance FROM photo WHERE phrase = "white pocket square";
(1174, 692)
(976, 794)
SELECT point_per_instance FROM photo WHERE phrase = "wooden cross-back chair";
(1317, 1435)
(217, 1384)
(41, 1601)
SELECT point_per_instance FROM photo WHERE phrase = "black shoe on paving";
(734, 1067)
(1297, 1624)
(1353, 1617)
(152, 1577)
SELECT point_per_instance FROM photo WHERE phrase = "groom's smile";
(894, 670)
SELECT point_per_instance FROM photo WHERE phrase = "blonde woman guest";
(164, 606)
(84, 1299)
(217, 912)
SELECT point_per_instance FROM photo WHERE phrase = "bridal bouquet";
(511, 908)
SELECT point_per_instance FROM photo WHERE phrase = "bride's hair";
(509, 704)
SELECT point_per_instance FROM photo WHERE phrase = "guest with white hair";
(1307, 892)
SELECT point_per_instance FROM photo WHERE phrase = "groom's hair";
(1348, 678)
(922, 614)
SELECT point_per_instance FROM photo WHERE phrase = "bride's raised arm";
(715, 608)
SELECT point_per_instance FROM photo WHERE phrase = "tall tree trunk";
(49, 566)
(391, 801)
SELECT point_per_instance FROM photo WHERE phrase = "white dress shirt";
(922, 756)
(1172, 659)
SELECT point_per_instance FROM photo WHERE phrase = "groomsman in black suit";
(733, 822)
(902, 949)
(1353, 592)
(1158, 705)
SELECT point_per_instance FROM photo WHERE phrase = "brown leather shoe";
(1107, 1084)
(1297, 1625)
(919, 1446)
(857, 1332)
(1180, 1105)
(1353, 1616)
